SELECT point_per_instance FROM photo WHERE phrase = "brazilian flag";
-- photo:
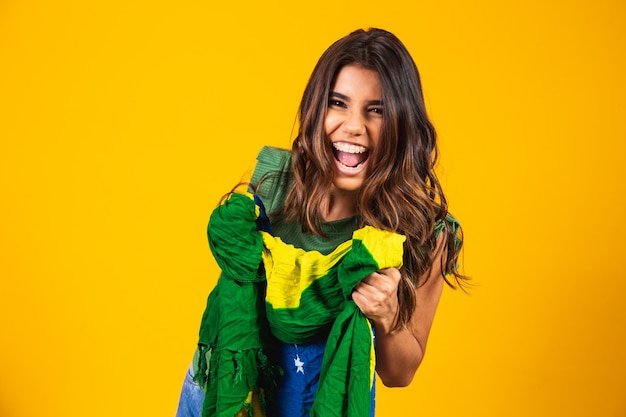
(271, 289)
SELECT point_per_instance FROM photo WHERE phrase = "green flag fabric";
(268, 286)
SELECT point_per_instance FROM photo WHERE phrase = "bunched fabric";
(271, 289)
(230, 344)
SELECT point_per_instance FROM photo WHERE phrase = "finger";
(360, 300)
(371, 296)
(381, 284)
(392, 273)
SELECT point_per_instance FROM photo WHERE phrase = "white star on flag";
(298, 364)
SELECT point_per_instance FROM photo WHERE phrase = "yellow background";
(123, 122)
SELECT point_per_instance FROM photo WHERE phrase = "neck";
(339, 206)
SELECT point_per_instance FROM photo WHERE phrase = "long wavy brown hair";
(401, 192)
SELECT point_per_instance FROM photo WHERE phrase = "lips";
(350, 156)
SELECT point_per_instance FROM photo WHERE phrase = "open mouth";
(349, 155)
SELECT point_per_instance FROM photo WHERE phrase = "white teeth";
(348, 148)
(347, 168)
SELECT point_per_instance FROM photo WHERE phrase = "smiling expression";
(353, 124)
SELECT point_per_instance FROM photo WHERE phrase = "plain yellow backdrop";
(123, 122)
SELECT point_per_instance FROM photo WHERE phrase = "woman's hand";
(377, 297)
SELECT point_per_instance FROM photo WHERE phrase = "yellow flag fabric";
(307, 294)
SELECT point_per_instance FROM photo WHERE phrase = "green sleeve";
(272, 177)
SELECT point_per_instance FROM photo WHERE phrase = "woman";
(360, 172)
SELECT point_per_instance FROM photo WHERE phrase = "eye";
(377, 110)
(333, 102)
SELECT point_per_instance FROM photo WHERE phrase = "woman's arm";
(400, 352)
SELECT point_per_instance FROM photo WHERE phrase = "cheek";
(377, 132)
(330, 124)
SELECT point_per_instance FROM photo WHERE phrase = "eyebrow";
(346, 98)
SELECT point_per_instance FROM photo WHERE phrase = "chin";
(348, 185)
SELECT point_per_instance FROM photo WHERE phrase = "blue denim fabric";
(191, 397)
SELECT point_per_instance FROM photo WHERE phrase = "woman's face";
(353, 124)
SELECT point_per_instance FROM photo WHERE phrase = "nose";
(354, 123)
